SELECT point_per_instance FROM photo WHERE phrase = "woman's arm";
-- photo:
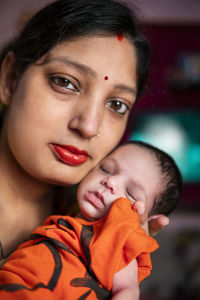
(125, 283)
(155, 223)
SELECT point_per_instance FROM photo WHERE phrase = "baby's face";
(130, 172)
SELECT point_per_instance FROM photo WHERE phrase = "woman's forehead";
(107, 44)
(102, 56)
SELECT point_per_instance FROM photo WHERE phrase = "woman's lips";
(95, 198)
(70, 154)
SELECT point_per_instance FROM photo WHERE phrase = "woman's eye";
(118, 106)
(64, 83)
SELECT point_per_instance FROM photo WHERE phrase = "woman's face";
(86, 87)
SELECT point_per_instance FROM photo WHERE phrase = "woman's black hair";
(168, 199)
(69, 19)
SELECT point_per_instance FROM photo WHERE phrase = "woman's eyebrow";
(67, 61)
(126, 88)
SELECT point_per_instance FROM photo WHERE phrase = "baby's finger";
(139, 207)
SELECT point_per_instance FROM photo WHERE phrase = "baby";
(103, 252)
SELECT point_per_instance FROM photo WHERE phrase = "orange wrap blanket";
(70, 258)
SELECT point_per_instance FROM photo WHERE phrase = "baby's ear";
(8, 78)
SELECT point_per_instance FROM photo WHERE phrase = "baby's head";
(134, 170)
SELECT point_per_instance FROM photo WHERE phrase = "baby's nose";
(108, 183)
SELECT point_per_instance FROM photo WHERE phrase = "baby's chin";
(87, 217)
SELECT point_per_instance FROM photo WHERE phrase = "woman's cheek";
(113, 133)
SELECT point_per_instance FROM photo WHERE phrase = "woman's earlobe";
(8, 79)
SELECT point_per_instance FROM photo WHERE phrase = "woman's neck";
(17, 186)
(22, 209)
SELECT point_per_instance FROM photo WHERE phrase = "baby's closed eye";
(130, 196)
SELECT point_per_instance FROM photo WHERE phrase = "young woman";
(67, 85)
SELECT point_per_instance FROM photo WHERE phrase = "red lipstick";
(70, 155)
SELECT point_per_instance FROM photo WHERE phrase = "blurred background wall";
(168, 116)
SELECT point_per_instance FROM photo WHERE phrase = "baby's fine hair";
(166, 201)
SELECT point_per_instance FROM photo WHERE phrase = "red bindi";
(106, 77)
(120, 37)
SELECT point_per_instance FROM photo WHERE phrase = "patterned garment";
(70, 258)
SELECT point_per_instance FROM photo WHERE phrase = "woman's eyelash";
(118, 106)
(63, 83)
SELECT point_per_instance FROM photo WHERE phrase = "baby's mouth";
(96, 199)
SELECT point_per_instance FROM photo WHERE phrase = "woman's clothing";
(70, 258)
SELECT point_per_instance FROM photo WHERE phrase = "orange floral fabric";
(70, 258)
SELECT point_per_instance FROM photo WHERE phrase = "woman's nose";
(87, 119)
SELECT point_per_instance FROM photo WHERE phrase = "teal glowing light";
(177, 133)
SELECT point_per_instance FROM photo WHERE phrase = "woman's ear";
(8, 79)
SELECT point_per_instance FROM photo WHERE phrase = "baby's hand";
(139, 207)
